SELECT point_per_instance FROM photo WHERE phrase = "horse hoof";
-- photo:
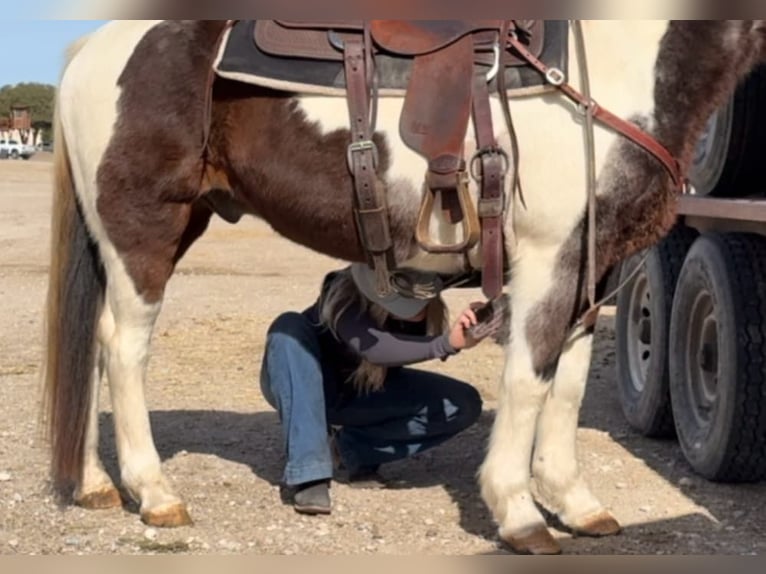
(540, 541)
(599, 524)
(107, 497)
(170, 516)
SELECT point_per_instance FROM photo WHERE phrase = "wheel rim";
(639, 331)
(707, 167)
(702, 358)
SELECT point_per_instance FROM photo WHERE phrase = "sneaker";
(312, 497)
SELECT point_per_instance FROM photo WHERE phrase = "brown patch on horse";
(263, 158)
(152, 170)
(285, 170)
(636, 206)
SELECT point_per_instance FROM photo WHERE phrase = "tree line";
(39, 98)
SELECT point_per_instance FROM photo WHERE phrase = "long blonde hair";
(341, 294)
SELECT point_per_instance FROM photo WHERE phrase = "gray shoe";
(312, 498)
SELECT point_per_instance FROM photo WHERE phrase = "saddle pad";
(241, 60)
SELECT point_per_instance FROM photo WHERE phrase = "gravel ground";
(220, 442)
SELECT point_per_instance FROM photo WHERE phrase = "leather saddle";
(453, 62)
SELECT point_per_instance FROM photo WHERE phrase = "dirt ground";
(220, 441)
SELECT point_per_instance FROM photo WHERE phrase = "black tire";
(14, 154)
(718, 357)
(728, 158)
(641, 332)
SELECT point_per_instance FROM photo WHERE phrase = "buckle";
(477, 177)
(555, 77)
(361, 147)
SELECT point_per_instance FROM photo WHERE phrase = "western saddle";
(445, 89)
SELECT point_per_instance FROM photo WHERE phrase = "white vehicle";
(15, 150)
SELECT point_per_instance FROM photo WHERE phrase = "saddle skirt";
(268, 53)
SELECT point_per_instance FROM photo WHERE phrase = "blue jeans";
(414, 411)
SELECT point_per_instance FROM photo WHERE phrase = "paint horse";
(134, 189)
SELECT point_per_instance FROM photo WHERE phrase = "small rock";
(5, 476)
(645, 509)
(686, 481)
(150, 534)
(13, 543)
(739, 513)
(428, 522)
(621, 486)
(183, 453)
(18, 498)
(72, 541)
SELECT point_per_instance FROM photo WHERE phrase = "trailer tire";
(641, 331)
(717, 357)
(728, 158)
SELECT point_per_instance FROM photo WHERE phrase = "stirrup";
(470, 223)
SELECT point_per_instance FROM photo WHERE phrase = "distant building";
(21, 118)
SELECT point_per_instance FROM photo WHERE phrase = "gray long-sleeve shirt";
(397, 344)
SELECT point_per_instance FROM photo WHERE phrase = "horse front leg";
(505, 473)
(560, 483)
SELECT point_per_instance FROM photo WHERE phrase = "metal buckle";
(488, 151)
(359, 147)
(555, 77)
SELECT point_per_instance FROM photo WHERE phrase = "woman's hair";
(342, 293)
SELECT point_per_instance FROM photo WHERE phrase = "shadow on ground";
(254, 440)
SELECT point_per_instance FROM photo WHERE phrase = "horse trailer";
(691, 319)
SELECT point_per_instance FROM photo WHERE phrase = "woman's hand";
(458, 337)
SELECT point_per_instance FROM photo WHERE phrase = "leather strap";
(628, 129)
(491, 203)
(371, 211)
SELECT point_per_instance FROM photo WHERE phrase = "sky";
(34, 49)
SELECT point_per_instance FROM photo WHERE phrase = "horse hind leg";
(96, 489)
(561, 486)
(126, 354)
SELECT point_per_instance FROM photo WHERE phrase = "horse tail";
(75, 296)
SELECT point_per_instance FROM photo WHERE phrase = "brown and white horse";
(133, 192)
